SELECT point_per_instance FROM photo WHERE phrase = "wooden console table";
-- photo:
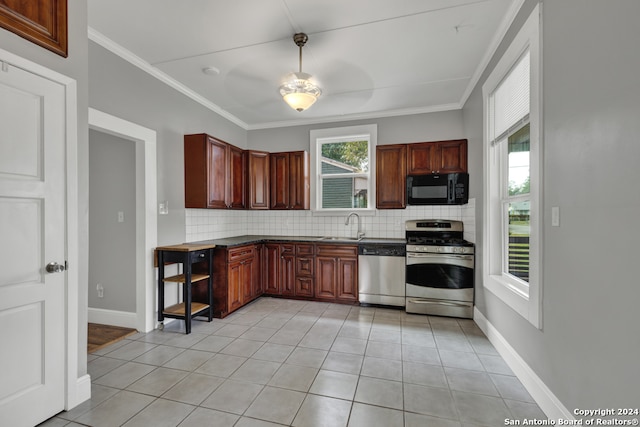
(187, 254)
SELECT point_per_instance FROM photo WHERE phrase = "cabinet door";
(279, 183)
(326, 277)
(287, 274)
(299, 177)
(235, 285)
(419, 157)
(246, 278)
(236, 199)
(271, 269)
(347, 288)
(217, 171)
(256, 281)
(450, 156)
(257, 179)
(391, 176)
(196, 171)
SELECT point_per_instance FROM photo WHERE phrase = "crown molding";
(504, 26)
(115, 48)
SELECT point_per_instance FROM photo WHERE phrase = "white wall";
(391, 130)
(118, 88)
(587, 351)
(112, 244)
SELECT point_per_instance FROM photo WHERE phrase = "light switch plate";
(555, 216)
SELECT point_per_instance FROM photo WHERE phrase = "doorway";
(144, 140)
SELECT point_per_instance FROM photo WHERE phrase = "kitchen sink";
(340, 239)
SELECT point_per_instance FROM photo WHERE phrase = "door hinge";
(66, 265)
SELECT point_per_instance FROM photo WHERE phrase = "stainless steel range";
(439, 268)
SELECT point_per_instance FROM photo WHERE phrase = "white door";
(32, 235)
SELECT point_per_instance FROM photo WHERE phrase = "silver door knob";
(54, 267)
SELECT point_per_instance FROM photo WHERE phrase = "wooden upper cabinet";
(299, 177)
(289, 172)
(236, 181)
(257, 179)
(206, 168)
(425, 158)
(391, 176)
(279, 173)
(214, 173)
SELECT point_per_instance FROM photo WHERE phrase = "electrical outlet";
(120, 216)
(100, 290)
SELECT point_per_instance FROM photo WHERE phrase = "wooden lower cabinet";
(323, 272)
(337, 273)
(288, 269)
(236, 278)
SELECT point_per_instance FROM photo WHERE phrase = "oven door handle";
(439, 256)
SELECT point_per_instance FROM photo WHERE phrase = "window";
(512, 156)
(341, 165)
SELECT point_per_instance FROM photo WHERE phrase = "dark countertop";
(252, 239)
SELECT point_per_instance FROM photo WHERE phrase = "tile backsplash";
(206, 224)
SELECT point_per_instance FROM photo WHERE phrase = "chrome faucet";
(360, 234)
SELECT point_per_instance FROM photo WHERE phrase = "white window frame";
(525, 299)
(342, 134)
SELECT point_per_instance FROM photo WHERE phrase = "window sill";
(508, 293)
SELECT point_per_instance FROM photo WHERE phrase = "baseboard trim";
(113, 317)
(81, 392)
(544, 397)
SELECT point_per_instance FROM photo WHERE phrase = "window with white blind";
(342, 165)
(512, 157)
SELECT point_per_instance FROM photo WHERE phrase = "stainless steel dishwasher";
(381, 273)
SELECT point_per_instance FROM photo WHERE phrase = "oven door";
(439, 284)
(442, 271)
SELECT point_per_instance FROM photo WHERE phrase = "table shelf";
(180, 310)
(180, 278)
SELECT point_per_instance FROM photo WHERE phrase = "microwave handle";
(452, 196)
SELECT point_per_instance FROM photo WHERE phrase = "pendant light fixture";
(298, 91)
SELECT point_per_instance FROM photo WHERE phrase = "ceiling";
(372, 58)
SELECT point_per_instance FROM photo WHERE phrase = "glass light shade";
(299, 92)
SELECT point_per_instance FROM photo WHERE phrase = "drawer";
(304, 266)
(337, 250)
(304, 250)
(193, 256)
(240, 253)
(287, 249)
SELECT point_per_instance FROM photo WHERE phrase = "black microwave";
(438, 189)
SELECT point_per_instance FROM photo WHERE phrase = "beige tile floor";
(296, 363)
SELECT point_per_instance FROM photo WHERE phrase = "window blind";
(509, 102)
